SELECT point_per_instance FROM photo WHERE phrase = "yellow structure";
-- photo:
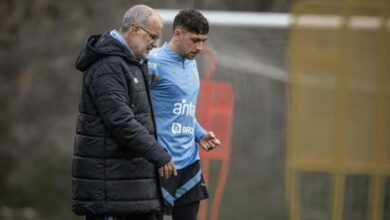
(339, 102)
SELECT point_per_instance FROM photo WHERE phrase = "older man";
(116, 157)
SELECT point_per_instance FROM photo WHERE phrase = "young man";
(116, 155)
(175, 87)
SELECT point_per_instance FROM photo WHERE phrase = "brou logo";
(178, 128)
(184, 108)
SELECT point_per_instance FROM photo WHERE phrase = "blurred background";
(302, 105)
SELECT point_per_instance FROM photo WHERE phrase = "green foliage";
(5, 161)
(44, 186)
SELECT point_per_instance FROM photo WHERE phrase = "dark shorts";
(187, 187)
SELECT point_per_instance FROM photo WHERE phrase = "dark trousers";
(184, 212)
(127, 217)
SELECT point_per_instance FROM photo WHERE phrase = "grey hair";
(138, 14)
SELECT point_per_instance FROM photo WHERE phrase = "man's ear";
(177, 33)
(133, 31)
(130, 33)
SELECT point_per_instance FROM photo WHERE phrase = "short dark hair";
(191, 20)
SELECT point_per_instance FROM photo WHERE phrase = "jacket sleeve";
(109, 90)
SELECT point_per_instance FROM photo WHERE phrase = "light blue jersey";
(174, 88)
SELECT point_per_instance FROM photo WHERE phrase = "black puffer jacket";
(115, 154)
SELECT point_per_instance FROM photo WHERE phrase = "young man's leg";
(127, 217)
(182, 193)
(139, 217)
(186, 212)
(160, 216)
(95, 217)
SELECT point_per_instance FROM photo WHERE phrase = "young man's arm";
(206, 140)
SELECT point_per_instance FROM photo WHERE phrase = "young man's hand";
(168, 170)
(209, 141)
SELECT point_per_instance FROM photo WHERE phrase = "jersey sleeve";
(199, 131)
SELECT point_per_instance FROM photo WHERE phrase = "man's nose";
(199, 45)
